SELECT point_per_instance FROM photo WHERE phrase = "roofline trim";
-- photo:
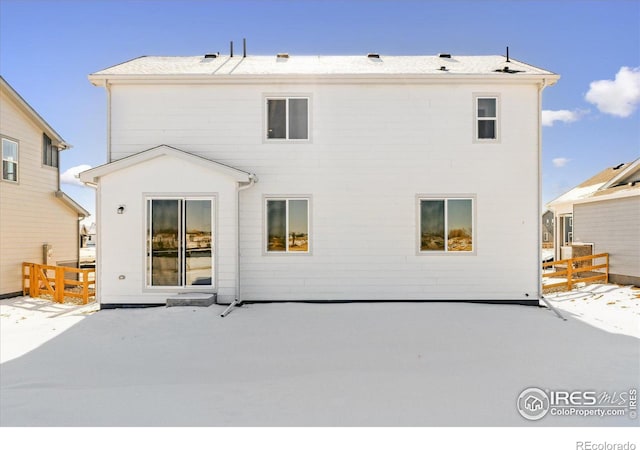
(33, 114)
(613, 196)
(91, 176)
(623, 173)
(72, 204)
(435, 78)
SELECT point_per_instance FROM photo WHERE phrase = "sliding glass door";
(180, 242)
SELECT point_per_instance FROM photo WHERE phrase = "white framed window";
(446, 224)
(49, 152)
(180, 242)
(287, 227)
(287, 118)
(486, 122)
(9, 160)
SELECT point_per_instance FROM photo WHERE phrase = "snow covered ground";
(609, 307)
(288, 364)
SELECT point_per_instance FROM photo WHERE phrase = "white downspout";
(253, 179)
(98, 261)
(107, 87)
(539, 227)
(539, 238)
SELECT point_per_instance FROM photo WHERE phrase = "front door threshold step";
(191, 299)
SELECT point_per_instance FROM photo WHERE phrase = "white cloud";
(560, 162)
(619, 97)
(70, 176)
(562, 115)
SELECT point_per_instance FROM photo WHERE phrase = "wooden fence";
(58, 282)
(584, 269)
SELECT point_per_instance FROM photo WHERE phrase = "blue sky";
(47, 49)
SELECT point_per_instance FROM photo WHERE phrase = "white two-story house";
(320, 178)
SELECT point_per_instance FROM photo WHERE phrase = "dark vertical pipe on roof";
(244, 47)
(508, 54)
(231, 49)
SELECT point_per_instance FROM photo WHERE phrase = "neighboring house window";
(486, 118)
(546, 237)
(567, 230)
(446, 225)
(287, 222)
(180, 242)
(9, 160)
(288, 118)
(49, 152)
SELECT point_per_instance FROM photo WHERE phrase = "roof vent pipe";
(508, 60)
(231, 49)
(244, 47)
(444, 55)
(373, 55)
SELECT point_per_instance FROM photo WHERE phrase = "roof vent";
(373, 55)
(443, 68)
(444, 55)
(618, 166)
(282, 56)
(506, 69)
(212, 55)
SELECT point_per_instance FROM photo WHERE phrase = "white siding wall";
(373, 149)
(613, 227)
(122, 236)
(30, 214)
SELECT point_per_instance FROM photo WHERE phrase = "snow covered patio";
(293, 364)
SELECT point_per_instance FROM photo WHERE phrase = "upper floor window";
(486, 118)
(49, 152)
(9, 160)
(288, 118)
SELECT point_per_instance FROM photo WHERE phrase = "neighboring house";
(88, 246)
(320, 178)
(88, 235)
(604, 213)
(547, 229)
(38, 222)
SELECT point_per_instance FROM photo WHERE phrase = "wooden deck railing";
(58, 282)
(570, 271)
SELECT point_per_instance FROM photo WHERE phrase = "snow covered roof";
(285, 64)
(622, 180)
